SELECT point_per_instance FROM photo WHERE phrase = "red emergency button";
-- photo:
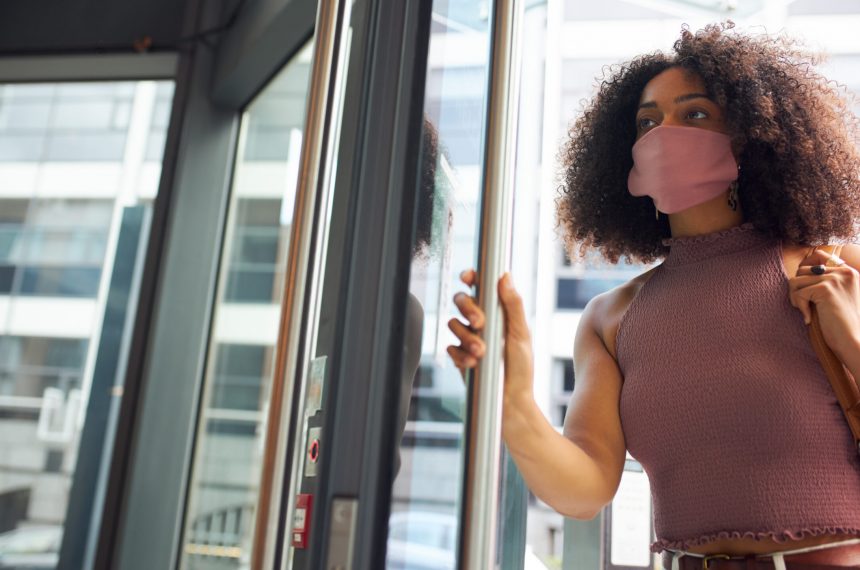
(314, 451)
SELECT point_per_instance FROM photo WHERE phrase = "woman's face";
(677, 97)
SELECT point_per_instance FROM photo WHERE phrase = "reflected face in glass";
(679, 98)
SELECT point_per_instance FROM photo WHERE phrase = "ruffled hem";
(781, 537)
(745, 226)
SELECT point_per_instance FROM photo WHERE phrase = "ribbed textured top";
(725, 403)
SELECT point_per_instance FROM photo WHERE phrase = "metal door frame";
(367, 279)
(367, 270)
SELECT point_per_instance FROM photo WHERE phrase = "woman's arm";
(576, 473)
(579, 472)
(413, 333)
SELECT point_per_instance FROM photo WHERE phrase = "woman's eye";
(697, 115)
(644, 123)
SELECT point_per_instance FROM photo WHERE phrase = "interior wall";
(273, 31)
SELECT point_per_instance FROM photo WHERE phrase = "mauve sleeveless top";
(725, 403)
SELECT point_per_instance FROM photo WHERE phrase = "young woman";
(729, 159)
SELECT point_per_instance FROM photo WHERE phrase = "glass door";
(277, 227)
(440, 474)
(389, 444)
(225, 498)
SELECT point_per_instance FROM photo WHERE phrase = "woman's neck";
(711, 216)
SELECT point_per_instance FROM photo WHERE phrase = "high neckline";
(690, 249)
(745, 226)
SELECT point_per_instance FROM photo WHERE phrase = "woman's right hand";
(576, 472)
(518, 356)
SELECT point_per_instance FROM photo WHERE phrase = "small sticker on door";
(316, 381)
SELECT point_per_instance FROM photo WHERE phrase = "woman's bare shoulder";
(610, 306)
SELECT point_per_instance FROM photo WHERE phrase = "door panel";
(379, 436)
(426, 496)
(224, 492)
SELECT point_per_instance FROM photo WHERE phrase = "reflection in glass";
(67, 122)
(72, 166)
(223, 494)
(423, 527)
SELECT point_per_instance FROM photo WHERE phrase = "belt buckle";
(706, 561)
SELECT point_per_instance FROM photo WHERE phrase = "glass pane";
(423, 527)
(223, 495)
(69, 237)
(81, 122)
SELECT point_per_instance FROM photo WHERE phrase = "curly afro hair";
(426, 190)
(795, 131)
(433, 198)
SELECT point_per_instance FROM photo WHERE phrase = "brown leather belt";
(838, 557)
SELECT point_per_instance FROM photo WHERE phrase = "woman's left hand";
(836, 294)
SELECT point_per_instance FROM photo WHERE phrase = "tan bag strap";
(844, 385)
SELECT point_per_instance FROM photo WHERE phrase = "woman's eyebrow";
(679, 99)
(689, 96)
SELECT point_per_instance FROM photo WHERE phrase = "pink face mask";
(681, 167)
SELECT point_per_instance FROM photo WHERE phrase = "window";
(238, 370)
(29, 365)
(567, 378)
(562, 387)
(65, 122)
(565, 260)
(225, 479)
(53, 247)
(63, 153)
(562, 413)
(7, 274)
(258, 242)
(60, 281)
(575, 293)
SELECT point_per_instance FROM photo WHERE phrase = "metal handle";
(483, 434)
(302, 269)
